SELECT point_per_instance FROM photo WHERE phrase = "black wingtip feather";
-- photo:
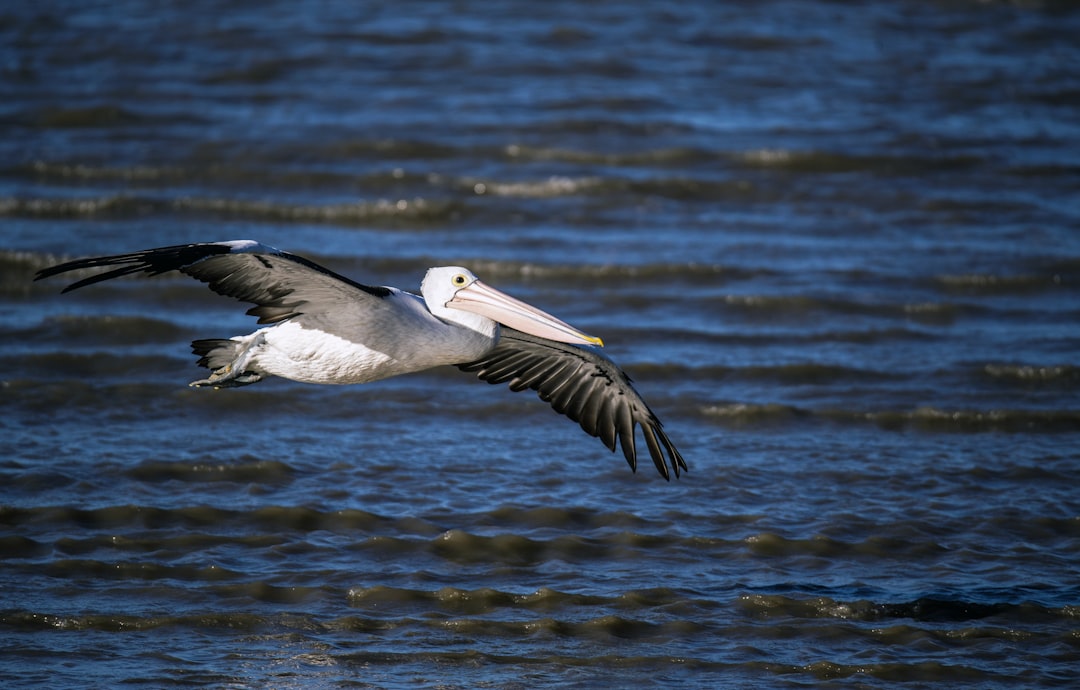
(655, 452)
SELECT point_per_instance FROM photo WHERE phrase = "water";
(837, 249)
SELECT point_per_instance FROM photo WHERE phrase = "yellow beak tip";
(595, 341)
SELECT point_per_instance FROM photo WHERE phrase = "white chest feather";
(310, 355)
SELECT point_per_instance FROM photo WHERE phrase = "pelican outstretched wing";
(279, 284)
(584, 385)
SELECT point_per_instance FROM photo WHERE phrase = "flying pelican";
(326, 328)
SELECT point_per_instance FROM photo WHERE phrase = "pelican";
(325, 328)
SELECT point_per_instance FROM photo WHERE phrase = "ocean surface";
(837, 246)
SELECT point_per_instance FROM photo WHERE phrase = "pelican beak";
(499, 306)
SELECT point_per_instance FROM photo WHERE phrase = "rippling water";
(838, 249)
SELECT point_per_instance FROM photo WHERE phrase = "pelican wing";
(278, 283)
(585, 386)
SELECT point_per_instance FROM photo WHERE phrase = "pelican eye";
(459, 280)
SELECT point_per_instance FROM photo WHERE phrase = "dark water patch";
(1067, 266)
(162, 543)
(209, 175)
(45, 399)
(962, 210)
(661, 157)
(134, 570)
(990, 284)
(92, 367)
(609, 626)
(292, 518)
(933, 419)
(415, 212)
(111, 329)
(556, 517)
(923, 419)
(463, 547)
(118, 622)
(451, 600)
(267, 593)
(247, 469)
(512, 549)
(386, 150)
(1058, 527)
(829, 162)
(16, 546)
(29, 481)
(111, 206)
(925, 609)
(796, 374)
(266, 520)
(897, 335)
(81, 172)
(257, 72)
(919, 672)
(680, 669)
(802, 307)
(821, 546)
(585, 125)
(610, 275)
(473, 659)
(104, 115)
(112, 517)
(700, 189)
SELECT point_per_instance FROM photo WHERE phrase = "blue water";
(837, 248)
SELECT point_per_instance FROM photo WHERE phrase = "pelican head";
(454, 287)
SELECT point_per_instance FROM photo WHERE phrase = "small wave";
(273, 520)
(1028, 374)
(116, 206)
(113, 330)
(561, 517)
(83, 171)
(613, 626)
(648, 157)
(922, 609)
(135, 570)
(551, 187)
(775, 545)
(415, 211)
(806, 373)
(467, 547)
(610, 273)
(832, 162)
(971, 421)
(463, 547)
(105, 115)
(114, 622)
(742, 414)
(15, 546)
(803, 306)
(412, 211)
(928, 419)
(259, 171)
(248, 470)
(989, 284)
(50, 366)
(487, 600)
